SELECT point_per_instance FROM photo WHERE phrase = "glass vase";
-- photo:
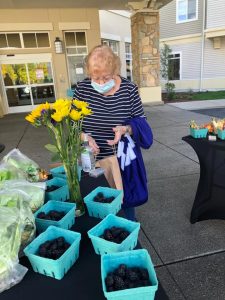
(71, 171)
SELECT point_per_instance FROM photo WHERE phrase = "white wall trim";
(74, 25)
(188, 20)
(109, 36)
(25, 26)
(127, 39)
(40, 57)
(180, 37)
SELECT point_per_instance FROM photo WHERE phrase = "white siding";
(214, 65)
(168, 26)
(215, 13)
(190, 59)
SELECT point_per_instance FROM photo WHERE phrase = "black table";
(83, 280)
(209, 201)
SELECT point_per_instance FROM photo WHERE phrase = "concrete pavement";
(189, 258)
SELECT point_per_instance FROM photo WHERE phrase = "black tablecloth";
(2, 147)
(209, 201)
(83, 280)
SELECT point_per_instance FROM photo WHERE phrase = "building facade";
(115, 30)
(42, 49)
(42, 52)
(195, 31)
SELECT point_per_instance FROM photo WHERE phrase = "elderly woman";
(113, 100)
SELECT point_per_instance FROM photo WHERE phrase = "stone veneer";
(145, 48)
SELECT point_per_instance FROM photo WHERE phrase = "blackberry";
(123, 235)
(61, 239)
(41, 215)
(123, 266)
(137, 283)
(109, 281)
(116, 232)
(110, 199)
(121, 272)
(66, 245)
(146, 283)
(46, 245)
(108, 235)
(144, 274)
(119, 283)
(42, 252)
(97, 199)
(130, 285)
(54, 246)
(132, 276)
(100, 195)
(110, 289)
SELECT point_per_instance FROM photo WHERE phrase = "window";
(76, 50)
(24, 40)
(174, 66)
(128, 53)
(187, 10)
(114, 45)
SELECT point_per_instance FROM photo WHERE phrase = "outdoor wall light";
(58, 45)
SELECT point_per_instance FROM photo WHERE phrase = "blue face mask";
(105, 87)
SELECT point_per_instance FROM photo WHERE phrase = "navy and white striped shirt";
(108, 111)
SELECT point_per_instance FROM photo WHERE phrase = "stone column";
(146, 54)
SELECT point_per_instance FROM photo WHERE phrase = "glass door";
(27, 82)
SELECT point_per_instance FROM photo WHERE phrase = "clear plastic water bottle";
(87, 156)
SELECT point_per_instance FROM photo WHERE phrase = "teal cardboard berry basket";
(199, 133)
(221, 134)
(66, 222)
(135, 258)
(61, 194)
(60, 172)
(101, 210)
(50, 267)
(103, 246)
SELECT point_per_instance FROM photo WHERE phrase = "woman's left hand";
(119, 131)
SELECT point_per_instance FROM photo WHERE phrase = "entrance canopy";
(99, 4)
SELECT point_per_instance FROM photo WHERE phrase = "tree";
(165, 70)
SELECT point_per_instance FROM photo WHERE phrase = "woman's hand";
(92, 143)
(119, 131)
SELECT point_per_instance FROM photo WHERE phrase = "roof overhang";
(99, 4)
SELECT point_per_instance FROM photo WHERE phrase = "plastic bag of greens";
(22, 162)
(8, 172)
(15, 198)
(35, 190)
(10, 236)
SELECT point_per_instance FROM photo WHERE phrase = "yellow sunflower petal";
(75, 115)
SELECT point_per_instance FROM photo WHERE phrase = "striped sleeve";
(136, 109)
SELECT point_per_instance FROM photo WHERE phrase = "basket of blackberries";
(56, 189)
(103, 201)
(54, 251)
(128, 275)
(114, 234)
(56, 213)
(58, 172)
